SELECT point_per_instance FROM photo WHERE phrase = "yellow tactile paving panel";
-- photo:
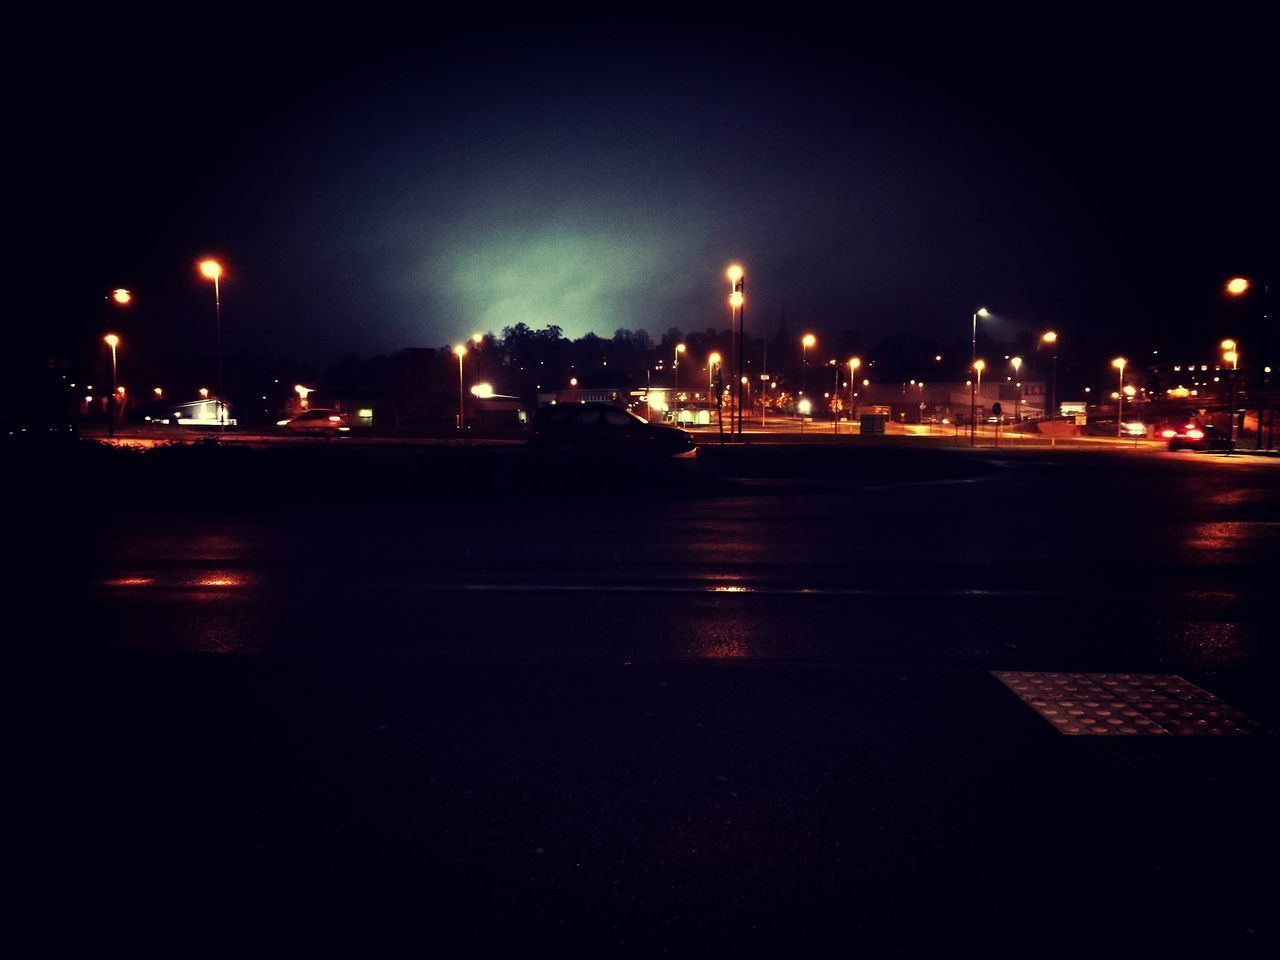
(1126, 704)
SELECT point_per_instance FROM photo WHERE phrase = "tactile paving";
(1126, 704)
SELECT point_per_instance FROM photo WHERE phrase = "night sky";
(378, 184)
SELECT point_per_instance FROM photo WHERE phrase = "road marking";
(1126, 704)
(710, 587)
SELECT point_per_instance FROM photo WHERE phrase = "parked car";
(317, 421)
(1195, 436)
(603, 430)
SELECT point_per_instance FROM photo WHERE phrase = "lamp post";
(675, 366)
(1232, 356)
(807, 341)
(1017, 400)
(974, 388)
(460, 351)
(112, 341)
(973, 358)
(1119, 363)
(854, 364)
(713, 361)
(1051, 338)
(212, 270)
(737, 301)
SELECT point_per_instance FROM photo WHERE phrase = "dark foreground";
(469, 702)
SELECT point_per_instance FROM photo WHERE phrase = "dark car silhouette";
(603, 430)
(1196, 436)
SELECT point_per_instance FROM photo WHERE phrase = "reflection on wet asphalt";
(763, 720)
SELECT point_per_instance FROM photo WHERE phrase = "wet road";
(761, 716)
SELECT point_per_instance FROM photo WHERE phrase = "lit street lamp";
(1017, 400)
(212, 270)
(1051, 338)
(1231, 355)
(973, 359)
(713, 361)
(461, 352)
(807, 341)
(112, 341)
(675, 366)
(737, 301)
(1119, 363)
(975, 387)
(854, 364)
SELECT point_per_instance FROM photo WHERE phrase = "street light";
(1237, 286)
(737, 283)
(713, 361)
(121, 296)
(854, 364)
(1017, 400)
(461, 352)
(980, 312)
(1119, 363)
(807, 341)
(112, 341)
(973, 360)
(975, 386)
(1051, 338)
(212, 270)
(675, 366)
(1231, 355)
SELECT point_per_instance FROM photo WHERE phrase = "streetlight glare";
(1017, 363)
(1119, 363)
(713, 359)
(1050, 337)
(460, 351)
(734, 273)
(1228, 344)
(1237, 285)
(984, 312)
(112, 340)
(735, 299)
(1231, 357)
(121, 295)
(809, 340)
(211, 269)
(680, 348)
(979, 365)
(482, 390)
(854, 363)
(477, 338)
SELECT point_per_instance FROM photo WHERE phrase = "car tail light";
(335, 419)
(1195, 434)
(1168, 434)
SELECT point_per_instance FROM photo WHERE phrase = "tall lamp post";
(737, 301)
(212, 270)
(854, 364)
(807, 341)
(460, 351)
(975, 387)
(1051, 338)
(1232, 356)
(675, 393)
(1017, 399)
(713, 361)
(1119, 363)
(973, 359)
(112, 341)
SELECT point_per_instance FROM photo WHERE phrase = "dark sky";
(377, 183)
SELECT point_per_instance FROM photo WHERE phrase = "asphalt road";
(629, 711)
